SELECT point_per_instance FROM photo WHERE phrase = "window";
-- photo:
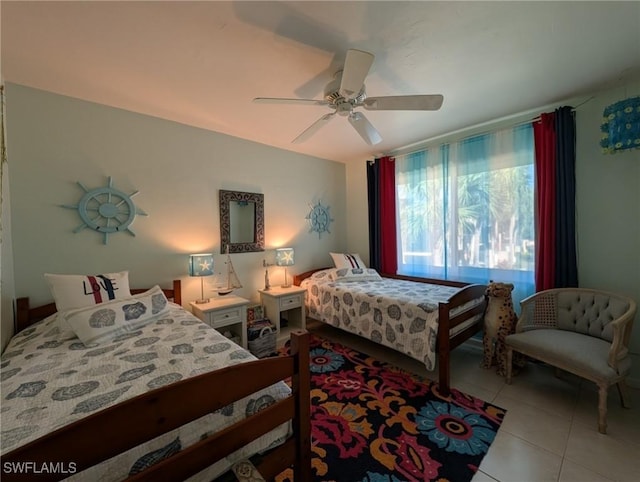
(466, 210)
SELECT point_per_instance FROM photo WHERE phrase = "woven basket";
(265, 344)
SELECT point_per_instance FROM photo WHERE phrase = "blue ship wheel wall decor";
(106, 210)
(319, 219)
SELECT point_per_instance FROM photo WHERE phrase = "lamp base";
(202, 298)
(287, 283)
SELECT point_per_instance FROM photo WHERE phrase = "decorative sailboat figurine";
(223, 285)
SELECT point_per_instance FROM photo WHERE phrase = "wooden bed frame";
(445, 343)
(158, 411)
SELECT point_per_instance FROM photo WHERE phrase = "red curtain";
(556, 254)
(381, 188)
(545, 146)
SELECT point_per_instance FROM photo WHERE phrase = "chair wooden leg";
(624, 394)
(509, 364)
(602, 408)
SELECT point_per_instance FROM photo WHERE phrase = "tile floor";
(550, 430)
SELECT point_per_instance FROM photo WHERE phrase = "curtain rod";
(483, 127)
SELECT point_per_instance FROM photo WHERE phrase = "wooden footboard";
(450, 316)
(156, 412)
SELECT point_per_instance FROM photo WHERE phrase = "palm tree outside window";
(466, 210)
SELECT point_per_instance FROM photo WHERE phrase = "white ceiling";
(202, 63)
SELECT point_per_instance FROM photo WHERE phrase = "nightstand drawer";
(224, 317)
(291, 301)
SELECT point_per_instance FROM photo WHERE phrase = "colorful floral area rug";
(372, 422)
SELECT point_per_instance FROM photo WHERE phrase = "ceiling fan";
(346, 92)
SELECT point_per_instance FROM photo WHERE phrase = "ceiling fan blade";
(404, 102)
(364, 128)
(356, 68)
(279, 100)
(313, 128)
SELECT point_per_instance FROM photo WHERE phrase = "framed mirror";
(241, 221)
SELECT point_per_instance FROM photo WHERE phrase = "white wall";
(608, 210)
(357, 210)
(6, 251)
(6, 260)
(56, 141)
(607, 204)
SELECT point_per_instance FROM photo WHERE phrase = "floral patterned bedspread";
(399, 314)
(49, 378)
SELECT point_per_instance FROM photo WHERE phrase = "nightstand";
(287, 303)
(228, 313)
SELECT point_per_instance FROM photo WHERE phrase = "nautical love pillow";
(76, 291)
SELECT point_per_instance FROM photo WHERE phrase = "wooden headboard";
(26, 316)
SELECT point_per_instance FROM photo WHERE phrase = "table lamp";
(201, 265)
(284, 257)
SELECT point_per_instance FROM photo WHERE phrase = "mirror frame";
(226, 197)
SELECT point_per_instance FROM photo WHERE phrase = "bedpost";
(301, 386)
(21, 319)
(177, 292)
(443, 349)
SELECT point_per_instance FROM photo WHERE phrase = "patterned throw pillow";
(345, 260)
(104, 322)
(71, 291)
(356, 274)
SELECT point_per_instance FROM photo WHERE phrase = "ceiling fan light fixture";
(344, 109)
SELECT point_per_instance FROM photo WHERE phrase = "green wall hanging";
(106, 210)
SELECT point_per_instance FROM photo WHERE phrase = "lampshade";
(201, 264)
(284, 257)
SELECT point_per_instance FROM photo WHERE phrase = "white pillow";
(71, 291)
(356, 274)
(102, 323)
(346, 260)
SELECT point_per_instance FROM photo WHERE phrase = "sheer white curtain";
(466, 210)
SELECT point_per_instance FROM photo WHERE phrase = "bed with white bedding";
(50, 378)
(421, 320)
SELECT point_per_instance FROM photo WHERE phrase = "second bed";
(424, 320)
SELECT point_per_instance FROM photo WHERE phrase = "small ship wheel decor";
(319, 219)
(106, 210)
